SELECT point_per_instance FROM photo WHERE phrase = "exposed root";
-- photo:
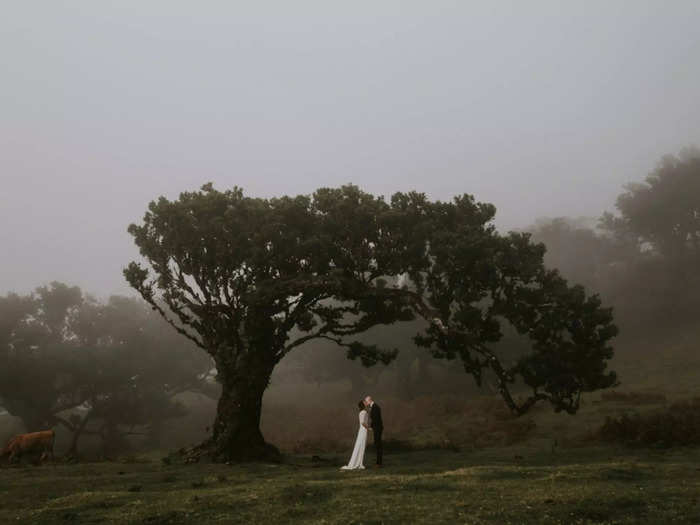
(209, 451)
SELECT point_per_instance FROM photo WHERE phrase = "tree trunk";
(77, 432)
(114, 442)
(155, 432)
(236, 431)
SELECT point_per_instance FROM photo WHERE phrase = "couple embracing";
(370, 418)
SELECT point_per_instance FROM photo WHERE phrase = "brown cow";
(32, 442)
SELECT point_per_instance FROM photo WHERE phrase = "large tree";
(250, 279)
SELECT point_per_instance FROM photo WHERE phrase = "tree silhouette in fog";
(644, 260)
(95, 368)
(250, 279)
(663, 212)
(661, 219)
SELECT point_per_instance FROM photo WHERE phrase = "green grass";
(573, 485)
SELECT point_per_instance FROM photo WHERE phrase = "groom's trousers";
(378, 444)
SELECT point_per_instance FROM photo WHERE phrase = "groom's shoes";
(378, 466)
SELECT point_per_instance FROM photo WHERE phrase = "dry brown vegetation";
(633, 398)
(676, 425)
(425, 422)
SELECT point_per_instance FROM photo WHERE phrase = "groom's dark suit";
(375, 414)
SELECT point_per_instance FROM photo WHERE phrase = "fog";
(542, 108)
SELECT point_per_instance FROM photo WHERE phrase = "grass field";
(518, 485)
(491, 470)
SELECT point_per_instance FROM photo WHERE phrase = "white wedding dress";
(358, 453)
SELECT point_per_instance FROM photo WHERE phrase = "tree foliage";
(483, 284)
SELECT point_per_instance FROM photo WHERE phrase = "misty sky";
(542, 108)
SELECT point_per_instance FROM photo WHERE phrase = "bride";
(358, 453)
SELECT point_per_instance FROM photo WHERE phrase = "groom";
(375, 423)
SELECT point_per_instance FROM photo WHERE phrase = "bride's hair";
(361, 404)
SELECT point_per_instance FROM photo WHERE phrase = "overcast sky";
(542, 108)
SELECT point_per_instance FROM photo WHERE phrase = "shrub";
(633, 398)
(677, 425)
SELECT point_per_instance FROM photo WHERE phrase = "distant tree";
(94, 368)
(582, 253)
(248, 280)
(37, 368)
(609, 264)
(406, 376)
(664, 211)
(135, 366)
(412, 374)
(661, 219)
